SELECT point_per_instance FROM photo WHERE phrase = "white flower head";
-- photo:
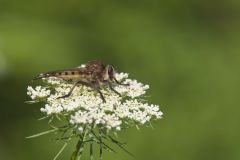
(86, 108)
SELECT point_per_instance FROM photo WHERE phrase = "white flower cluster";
(85, 107)
(38, 92)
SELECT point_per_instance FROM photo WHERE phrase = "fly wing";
(91, 71)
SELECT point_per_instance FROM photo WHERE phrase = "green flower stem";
(79, 149)
(100, 140)
(91, 150)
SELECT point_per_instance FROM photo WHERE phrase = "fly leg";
(91, 85)
(70, 92)
(94, 86)
(119, 82)
(101, 95)
(111, 87)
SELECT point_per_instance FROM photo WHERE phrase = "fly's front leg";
(110, 86)
(119, 82)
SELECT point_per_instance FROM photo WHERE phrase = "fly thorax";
(106, 75)
(110, 72)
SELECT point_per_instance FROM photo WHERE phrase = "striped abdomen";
(65, 75)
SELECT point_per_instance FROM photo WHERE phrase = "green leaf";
(105, 146)
(42, 133)
(120, 145)
(61, 150)
(43, 118)
(97, 140)
(31, 102)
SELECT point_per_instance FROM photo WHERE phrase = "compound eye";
(110, 70)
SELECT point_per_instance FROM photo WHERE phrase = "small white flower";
(80, 129)
(38, 92)
(121, 76)
(133, 90)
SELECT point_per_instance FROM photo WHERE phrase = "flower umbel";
(86, 116)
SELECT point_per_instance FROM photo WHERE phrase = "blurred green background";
(187, 51)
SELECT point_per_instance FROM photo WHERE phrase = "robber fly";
(94, 74)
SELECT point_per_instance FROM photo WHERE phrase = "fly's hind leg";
(70, 92)
(101, 95)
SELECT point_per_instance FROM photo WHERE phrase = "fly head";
(109, 73)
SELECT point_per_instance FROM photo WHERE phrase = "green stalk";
(100, 140)
(91, 150)
(79, 148)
